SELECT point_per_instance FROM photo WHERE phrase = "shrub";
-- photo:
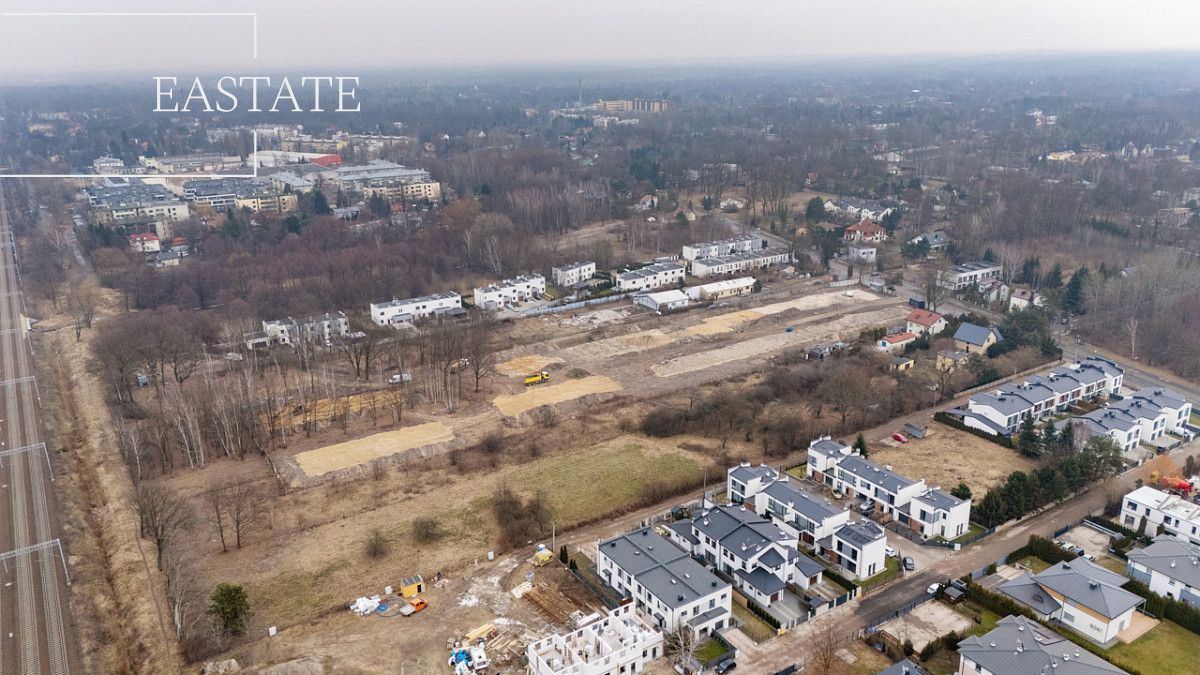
(1042, 548)
(762, 613)
(377, 544)
(664, 422)
(1167, 608)
(230, 606)
(520, 520)
(426, 530)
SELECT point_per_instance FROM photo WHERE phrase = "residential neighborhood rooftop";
(1021, 646)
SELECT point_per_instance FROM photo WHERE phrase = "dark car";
(726, 666)
(909, 564)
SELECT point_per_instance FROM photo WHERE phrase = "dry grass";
(362, 450)
(729, 321)
(582, 484)
(524, 365)
(549, 394)
(622, 344)
(948, 456)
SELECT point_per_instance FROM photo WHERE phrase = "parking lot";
(1095, 543)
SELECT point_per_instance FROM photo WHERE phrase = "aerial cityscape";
(564, 339)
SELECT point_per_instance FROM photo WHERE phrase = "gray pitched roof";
(1163, 398)
(828, 446)
(861, 533)
(939, 499)
(808, 506)
(807, 566)
(890, 480)
(666, 572)
(771, 559)
(1090, 585)
(683, 528)
(1026, 590)
(975, 335)
(1006, 404)
(904, 667)
(1110, 418)
(1170, 557)
(762, 580)
(1018, 646)
(747, 473)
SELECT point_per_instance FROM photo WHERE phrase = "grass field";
(710, 650)
(583, 484)
(1034, 563)
(948, 456)
(891, 571)
(1168, 649)
(755, 628)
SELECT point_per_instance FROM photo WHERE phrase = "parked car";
(899, 437)
(909, 563)
(726, 666)
(889, 552)
(933, 589)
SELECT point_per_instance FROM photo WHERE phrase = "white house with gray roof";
(860, 548)
(1163, 513)
(1020, 646)
(805, 516)
(398, 312)
(654, 275)
(1169, 567)
(665, 582)
(760, 557)
(1079, 594)
(937, 513)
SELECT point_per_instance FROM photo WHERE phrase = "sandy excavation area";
(549, 394)
(525, 365)
(730, 321)
(622, 344)
(813, 329)
(362, 450)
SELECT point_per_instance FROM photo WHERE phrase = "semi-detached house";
(397, 312)
(1001, 410)
(1169, 567)
(778, 496)
(1153, 511)
(664, 582)
(654, 275)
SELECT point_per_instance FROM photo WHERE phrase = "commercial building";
(198, 163)
(570, 274)
(285, 181)
(135, 202)
(406, 189)
(509, 291)
(618, 641)
(397, 312)
(739, 262)
(654, 275)
(664, 582)
(662, 301)
(634, 105)
(356, 178)
(717, 290)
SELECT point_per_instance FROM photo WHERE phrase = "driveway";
(927, 623)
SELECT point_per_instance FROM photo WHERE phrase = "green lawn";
(800, 472)
(710, 650)
(754, 627)
(1110, 563)
(1034, 563)
(987, 618)
(891, 571)
(597, 480)
(1167, 649)
(973, 531)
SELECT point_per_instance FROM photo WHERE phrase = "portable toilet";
(412, 586)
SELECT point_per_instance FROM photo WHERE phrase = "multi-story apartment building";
(517, 289)
(968, 274)
(664, 582)
(618, 641)
(396, 189)
(723, 247)
(654, 275)
(739, 262)
(399, 312)
(1155, 512)
(135, 202)
(653, 105)
(572, 273)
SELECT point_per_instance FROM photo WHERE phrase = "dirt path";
(362, 450)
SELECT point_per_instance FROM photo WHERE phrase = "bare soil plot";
(948, 456)
(323, 409)
(550, 394)
(524, 365)
(820, 327)
(622, 344)
(731, 320)
(362, 450)
(926, 623)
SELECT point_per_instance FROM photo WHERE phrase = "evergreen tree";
(813, 211)
(321, 204)
(962, 491)
(1049, 439)
(562, 554)
(860, 444)
(992, 508)
(1054, 278)
(1072, 299)
(230, 606)
(1066, 439)
(1027, 439)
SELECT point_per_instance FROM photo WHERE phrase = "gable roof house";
(895, 341)
(1169, 567)
(923, 321)
(804, 516)
(975, 339)
(865, 230)
(1020, 646)
(938, 239)
(1080, 595)
(664, 582)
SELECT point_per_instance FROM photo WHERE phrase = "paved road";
(34, 638)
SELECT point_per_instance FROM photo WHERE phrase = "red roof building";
(865, 230)
(330, 161)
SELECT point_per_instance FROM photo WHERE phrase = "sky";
(332, 37)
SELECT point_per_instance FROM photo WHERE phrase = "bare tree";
(162, 516)
(245, 509)
(217, 506)
(82, 307)
(480, 350)
(679, 646)
(826, 644)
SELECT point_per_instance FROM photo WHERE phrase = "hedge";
(762, 613)
(1167, 608)
(1113, 525)
(1040, 547)
(948, 641)
(841, 580)
(952, 421)
(1003, 606)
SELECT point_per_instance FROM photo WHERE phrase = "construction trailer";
(412, 586)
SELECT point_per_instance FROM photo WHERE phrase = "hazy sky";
(348, 34)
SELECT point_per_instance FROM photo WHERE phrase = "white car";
(933, 589)
(890, 552)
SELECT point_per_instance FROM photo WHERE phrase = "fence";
(539, 311)
(916, 538)
(873, 625)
